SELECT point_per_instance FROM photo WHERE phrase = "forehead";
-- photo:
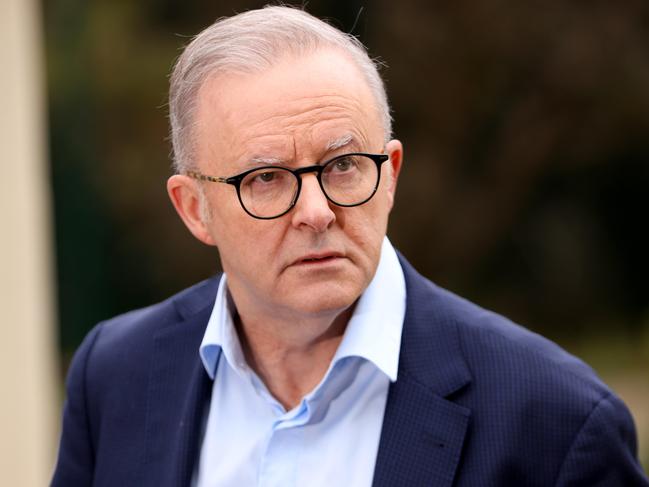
(297, 108)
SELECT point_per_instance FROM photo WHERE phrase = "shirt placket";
(279, 464)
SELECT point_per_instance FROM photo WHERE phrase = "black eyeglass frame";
(235, 181)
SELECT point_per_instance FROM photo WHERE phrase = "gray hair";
(251, 42)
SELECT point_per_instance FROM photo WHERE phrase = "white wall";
(28, 376)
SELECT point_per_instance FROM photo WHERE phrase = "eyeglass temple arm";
(203, 177)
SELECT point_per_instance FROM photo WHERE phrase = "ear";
(394, 149)
(185, 197)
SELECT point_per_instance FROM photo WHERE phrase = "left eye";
(266, 177)
(342, 165)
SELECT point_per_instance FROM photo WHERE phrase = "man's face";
(318, 258)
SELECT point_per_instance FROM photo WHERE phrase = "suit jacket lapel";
(179, 392)
(423, 432)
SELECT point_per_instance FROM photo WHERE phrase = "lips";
(315, 260)
(319, 258)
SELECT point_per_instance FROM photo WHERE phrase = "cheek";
(380, 209)
(229, 222)
(243, 241)
(384, 203)
(366, 227)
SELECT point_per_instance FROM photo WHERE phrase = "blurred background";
(526, 179)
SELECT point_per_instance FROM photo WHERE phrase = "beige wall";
(28, 379)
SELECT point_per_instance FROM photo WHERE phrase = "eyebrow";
(265, 160)
(332, 145)
(339, 142)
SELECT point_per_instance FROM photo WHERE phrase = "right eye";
(344, 164)
(265, 177)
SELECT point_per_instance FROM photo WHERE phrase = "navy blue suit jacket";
(478, 402)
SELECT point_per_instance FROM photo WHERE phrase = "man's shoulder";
(499, 352)
(144, 322)
(536, 414)
(502, 352)
(125, 339)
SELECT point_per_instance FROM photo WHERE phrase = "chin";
(325, 299)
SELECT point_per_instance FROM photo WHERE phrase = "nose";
(312, 209)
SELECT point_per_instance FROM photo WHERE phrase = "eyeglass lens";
(348, 180)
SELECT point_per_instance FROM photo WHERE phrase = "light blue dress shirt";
(331, 438)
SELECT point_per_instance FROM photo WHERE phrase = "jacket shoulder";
(506, 352)
(544, 413)
(501, 355)
(109, 384)
(118, 350)
(142, 323)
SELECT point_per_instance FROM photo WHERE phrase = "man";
(320, 356)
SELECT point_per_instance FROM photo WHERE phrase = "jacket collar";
(179, 391)
(431, 352)
(423, 431)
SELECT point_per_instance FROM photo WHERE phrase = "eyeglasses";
(271, 191)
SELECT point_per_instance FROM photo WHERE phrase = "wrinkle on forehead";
(287, 153)
(291, 112)
(294, 112)
(310, 136)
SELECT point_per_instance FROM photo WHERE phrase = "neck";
(291, 358)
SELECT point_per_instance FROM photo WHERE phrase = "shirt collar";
(373, 332)
(220, 334)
